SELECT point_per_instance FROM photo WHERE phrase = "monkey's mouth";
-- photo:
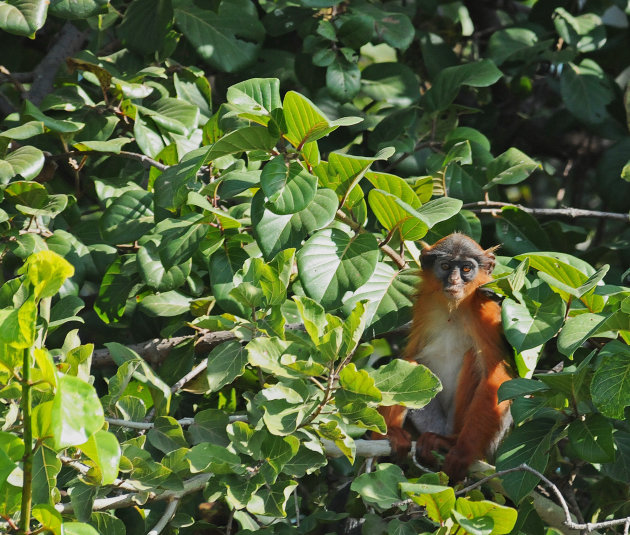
(454, 292)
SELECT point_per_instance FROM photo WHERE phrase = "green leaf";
(56, 125)
(381, 487)
(448, 82)
(343, 79)
(511, 167)
(26, 162)
(118, 282)
(73, 9)
(306, 122)
(167, 304)
(526, 327)
(208, 457)
(567, 276)
(393, 213)
(586, 91)
(514, 44)
(403, 383)
(155, 274)
(527, 444)
(394, 83)
(78, 528)
(438, 500)
(145, 25)
(23, 17)
(272, 500)
(181, 238)
(103, 449)
(24, 131)
(111, 145)
(244, 139)
(227, 39)
(356, 30)
(389, 299)
(173, 115)
(578, 329)
(610, 387)
(167, 435)
(128, 217)
(359, 382)
(255, 98)
(46, 467)
(76, 412)
(225, 363)
(482, 525)
(46, 271)
(48, 517)
(592, 438)
(332, 263)
(289, 189)
(520, 232)
(503, 518)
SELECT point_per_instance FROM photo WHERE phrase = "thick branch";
(67, 43)
(493, 207)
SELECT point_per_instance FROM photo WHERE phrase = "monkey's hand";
(430, 442)
(399, 440)
(457, 462)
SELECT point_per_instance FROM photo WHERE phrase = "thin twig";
(184, 422)
(190, 376)
(405, 155)
(84, 470)
(191, 485)
(588, 526)
(399, 260)
(490, 207)
(168, 514)
(147, 161)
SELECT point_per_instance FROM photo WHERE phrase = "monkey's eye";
(445, 266)
(466, 269)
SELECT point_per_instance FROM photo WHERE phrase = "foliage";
(245, 181)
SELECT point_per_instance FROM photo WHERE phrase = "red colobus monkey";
(457, 334)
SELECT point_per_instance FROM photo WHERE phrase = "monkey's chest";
(443, 353)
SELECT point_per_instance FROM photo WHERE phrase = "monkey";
(456, 332)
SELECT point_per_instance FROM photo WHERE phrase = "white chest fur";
(443, 353)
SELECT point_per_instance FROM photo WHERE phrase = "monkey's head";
(459, 264)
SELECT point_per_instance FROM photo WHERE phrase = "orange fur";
(472, 326)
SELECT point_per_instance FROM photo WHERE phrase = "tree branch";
(184, 422)
(399, 260)
(493, 207)
(169, 512)
(568, 520)
(67, 43)
(145, 160)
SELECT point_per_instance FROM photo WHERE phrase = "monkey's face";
(455, 275)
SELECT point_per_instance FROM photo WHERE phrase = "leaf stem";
(27, 468)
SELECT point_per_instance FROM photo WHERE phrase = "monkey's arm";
(399, 439)
(482, 422)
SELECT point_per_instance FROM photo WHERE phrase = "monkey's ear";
(489, 260)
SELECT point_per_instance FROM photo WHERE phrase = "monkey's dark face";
(456, 261)
(455, 274)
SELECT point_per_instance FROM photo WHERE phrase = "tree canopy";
(210, 216)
